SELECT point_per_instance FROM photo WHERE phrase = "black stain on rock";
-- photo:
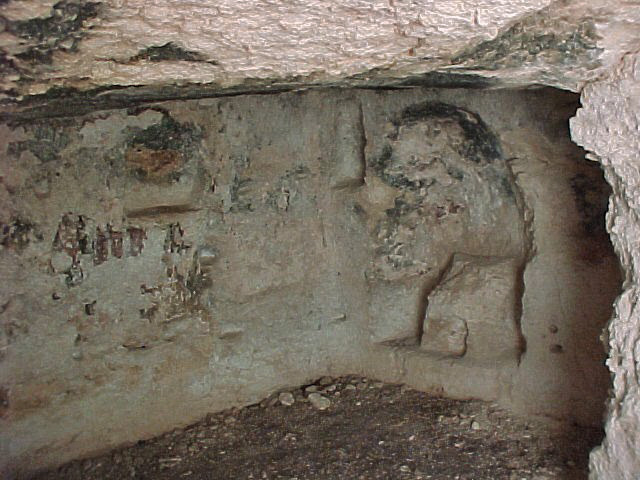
(66, 18)
(538, 35)
(159, 151)
(400, 208)
(592, 198)
(17, 234)
(62, 30)
(168, 52)
(401, 181)
(47, 140)
(480, 145)
(448, 80)
(169, 134)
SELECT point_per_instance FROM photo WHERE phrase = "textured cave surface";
(181, 257)
(138, 176)
(247, 44)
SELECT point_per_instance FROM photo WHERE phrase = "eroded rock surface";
(179, 258)
(69, 47)
(607, 126)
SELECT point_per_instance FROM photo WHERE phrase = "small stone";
(475, 425)
(330, 388)
(311, 389)
(361, 386)
(286, 399)
(324, 381)
(350, 387)
(405, 468)
(319, 402)
(378, 385)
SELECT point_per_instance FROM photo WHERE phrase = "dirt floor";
(351, 428)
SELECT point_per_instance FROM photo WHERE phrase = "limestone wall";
(608, 125)
(107, 229)
(178, 258)
(69, 44)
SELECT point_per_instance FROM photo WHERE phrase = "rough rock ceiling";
(251, 44)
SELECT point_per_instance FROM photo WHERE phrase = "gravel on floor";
(351, 428)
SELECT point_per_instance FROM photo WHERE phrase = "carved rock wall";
(183, 257)
(99, 207)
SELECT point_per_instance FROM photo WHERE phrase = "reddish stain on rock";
(137, 236)
(117, 247)
(154, 163)
(70, 236)
(100, 247)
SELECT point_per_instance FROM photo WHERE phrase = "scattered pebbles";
(318, 401)
(286, 399)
